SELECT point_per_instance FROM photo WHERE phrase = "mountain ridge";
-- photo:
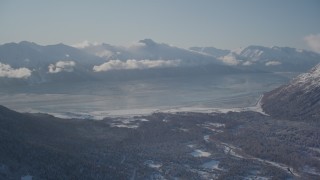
(298, 100)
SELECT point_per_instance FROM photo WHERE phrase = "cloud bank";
(7, 71)
(135, 64)
(60, 66)
(313, 41)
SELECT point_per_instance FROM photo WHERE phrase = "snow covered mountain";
(148, 49)
(299, 100)
(32, 55)
(267, 58)
(27, 62)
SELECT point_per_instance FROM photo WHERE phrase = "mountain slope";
(212, 51)
(299, 100)
(51, 148)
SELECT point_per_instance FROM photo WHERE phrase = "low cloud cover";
(135, 64)
(9, 72)
(61, 66)
(313, 41)
(229, 60)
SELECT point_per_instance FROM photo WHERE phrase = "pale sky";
(226, 24)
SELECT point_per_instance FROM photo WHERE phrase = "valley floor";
(234, 145)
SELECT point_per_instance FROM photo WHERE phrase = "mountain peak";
(148, 42)
(29, 44)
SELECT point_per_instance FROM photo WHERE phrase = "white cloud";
(135, 64)
(273, 63)
(247, 63)
(7, 71)
(84, 44)
(313, 41)
(229, 60)
(60, 66)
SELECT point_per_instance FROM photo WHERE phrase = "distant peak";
(275, 47)
(148, 42)
(28, 43)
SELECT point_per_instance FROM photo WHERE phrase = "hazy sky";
(184, 23)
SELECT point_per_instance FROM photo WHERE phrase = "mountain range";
(28, 62)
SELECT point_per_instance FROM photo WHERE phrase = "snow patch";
(206, 138)
(191, 145)
(212, 165)
(217, 125)
(127, 122)
(200, 153)
(231, 150)
(213, 126)
(152, 164)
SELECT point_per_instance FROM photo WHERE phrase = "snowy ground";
(200, 153)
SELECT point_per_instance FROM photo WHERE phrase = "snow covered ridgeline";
(298, 100)
(307, 81)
